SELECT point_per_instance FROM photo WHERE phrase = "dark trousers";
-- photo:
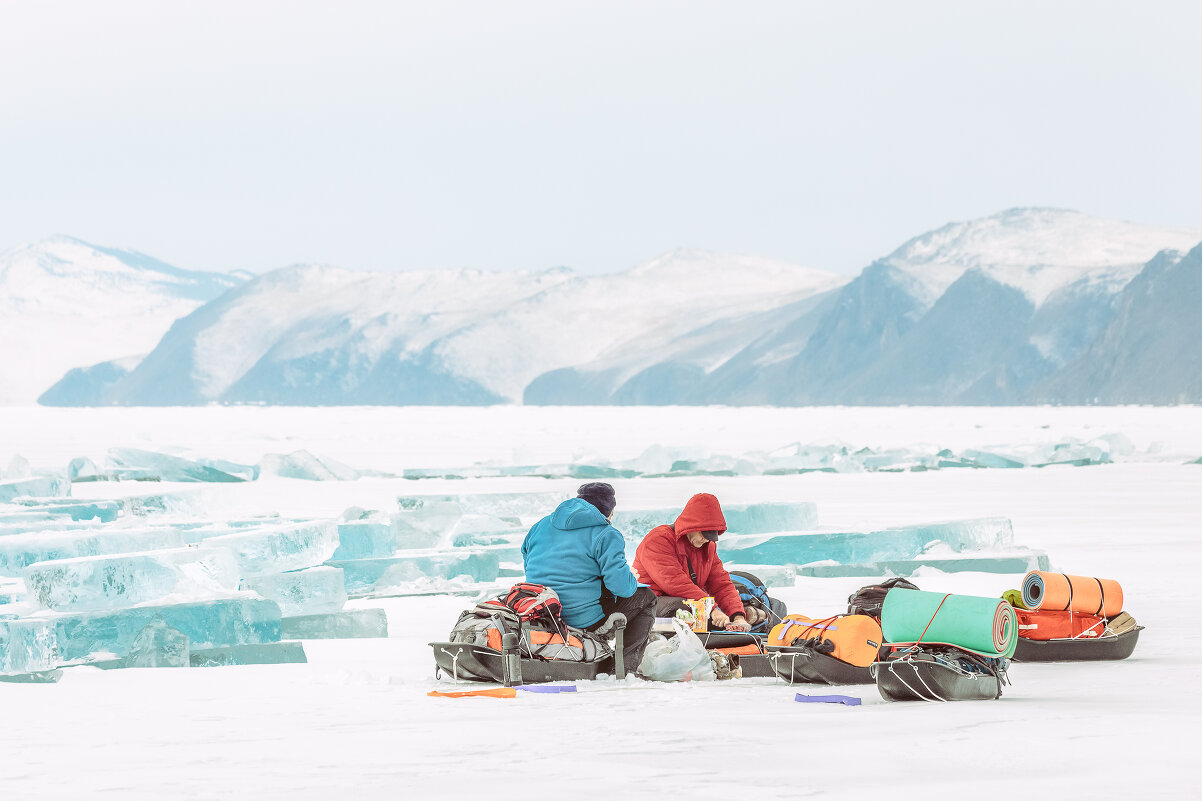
(640, 617)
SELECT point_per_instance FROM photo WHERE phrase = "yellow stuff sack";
(856, 639)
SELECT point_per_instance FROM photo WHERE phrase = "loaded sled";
(1117, 640)
(519, 638)
(939, 673)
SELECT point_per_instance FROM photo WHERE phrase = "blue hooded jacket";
(573, 550)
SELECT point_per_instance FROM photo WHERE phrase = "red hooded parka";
(665, 555)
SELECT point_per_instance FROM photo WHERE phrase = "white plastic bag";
(681, 658)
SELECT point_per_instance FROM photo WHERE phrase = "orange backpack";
(856, 638)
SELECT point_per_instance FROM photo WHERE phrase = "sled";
(949, 674)
(800, 664)
(469, 662)
(1109, 647)
(740, 643)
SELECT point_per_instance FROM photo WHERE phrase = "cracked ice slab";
(366, 539)
(498, 504)
(18, 551)
(306, 466)
(33, 510)
(751, 518)
(139, 465)
(91, 583)
(276, 549)
(40, 486)
(1020, 561)
(367, 576)
(312, 591)
(27, 646)
(347, 624)
(275, 653)
(856, 547)
(216, 623)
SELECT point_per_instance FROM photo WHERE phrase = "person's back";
(576, 552)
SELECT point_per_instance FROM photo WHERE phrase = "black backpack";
(869, 600)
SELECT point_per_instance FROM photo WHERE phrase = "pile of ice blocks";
(124, 584)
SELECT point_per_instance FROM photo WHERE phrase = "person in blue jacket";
(576, 552)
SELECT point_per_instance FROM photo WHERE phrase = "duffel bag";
(1039, 624)
(854, 639)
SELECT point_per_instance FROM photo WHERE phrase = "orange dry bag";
(856, 638)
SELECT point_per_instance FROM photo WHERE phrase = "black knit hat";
(599, 494)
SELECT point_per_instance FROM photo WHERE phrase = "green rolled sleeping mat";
(985, 626)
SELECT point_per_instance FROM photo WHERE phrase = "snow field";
(356, 718)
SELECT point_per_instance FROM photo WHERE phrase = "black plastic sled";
(469, 662)
(947, 674)
(803, 665)
(1077, 650)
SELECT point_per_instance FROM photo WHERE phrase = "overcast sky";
(501, 135)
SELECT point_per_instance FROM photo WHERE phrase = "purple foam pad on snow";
(846, 700)
(546, 688)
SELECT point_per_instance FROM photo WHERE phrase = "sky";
(528, 135)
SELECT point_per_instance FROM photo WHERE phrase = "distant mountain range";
(1026, 306)
(65, 303)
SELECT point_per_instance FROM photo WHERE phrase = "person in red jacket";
(681, 561)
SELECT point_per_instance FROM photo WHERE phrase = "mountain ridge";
(983, 311)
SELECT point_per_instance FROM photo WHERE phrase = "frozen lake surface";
(356, 718)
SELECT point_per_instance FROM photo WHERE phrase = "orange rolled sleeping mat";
(1061, 592)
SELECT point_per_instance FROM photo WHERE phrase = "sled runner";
(943, 673)
(803, 665)
(467, 662)
(1108, 647)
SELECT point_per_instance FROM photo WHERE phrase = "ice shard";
(752, 518)
(32, 510)
(274, 653)
(367, 539)
(276, 549)
(305, 465)
(856, 547)
(349, 623)
(366, 576)
(524, 505)
(426, 526)
(314, 590)
(1018, 561)
(159, 645)
(27, 646)
(91, 583)
(40, 486)
(18, 551)
(216, 623)
(137, 464)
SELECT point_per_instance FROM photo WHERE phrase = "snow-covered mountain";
(1029, 305)
(65, 303)
(1149, 352)
(320, 335)
(974, 312)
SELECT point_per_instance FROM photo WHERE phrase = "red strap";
(932, 620)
